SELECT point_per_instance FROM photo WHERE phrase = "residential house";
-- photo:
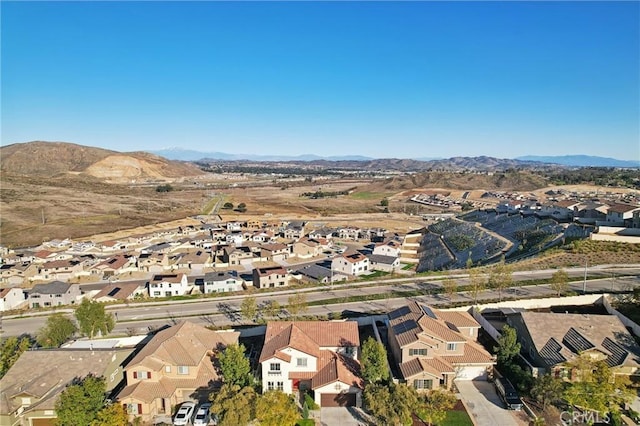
(122, 292)
(351, 264)
(194, 261)
(59, 269)
(552, 341)
(166, 285)
(176, 365)
(270, 277)
(235, 256)
(222, 281)
(306, 248)
(435, 347)
(388, 248)
(11, 298)
(31, 387)
(620, 214)
(318, 273)
(116, 265)
(153, 262)
(55, 293)
(383, 263)
(322, 233)
(274, 252)
(590, 212)
(294, 230)
(320, 356)
(349, 233)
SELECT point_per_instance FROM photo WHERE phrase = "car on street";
(203, 415)
(183, 416)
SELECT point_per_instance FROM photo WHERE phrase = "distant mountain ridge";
(565, 160)
(582, 161)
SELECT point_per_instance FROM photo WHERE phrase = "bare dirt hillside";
(48, 159)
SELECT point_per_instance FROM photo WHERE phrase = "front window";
(183, 369)
(280, 386)
(422, 384)
(274, 366)
(301, 362)
(270, 386)
(451, 346)
(418, 352)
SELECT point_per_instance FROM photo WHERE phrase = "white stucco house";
(351, 264)
(166, 285)
(222, 281)
(315, 356)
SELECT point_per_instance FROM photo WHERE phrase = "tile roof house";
(118, 292)
(351, 264)
(115, 265)
(176, 365)
(55, 293)
(388, 248)
(552, 340)
(435, 347)
(222, 281)
(166, 285)
(313, 355)
(31, 387)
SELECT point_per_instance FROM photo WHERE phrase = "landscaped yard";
(457, 418)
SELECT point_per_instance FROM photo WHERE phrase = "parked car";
(508, 393)
(203, 415)
(183, 416)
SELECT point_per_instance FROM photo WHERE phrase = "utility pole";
(43, 215)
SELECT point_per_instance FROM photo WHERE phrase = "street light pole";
(584, 283)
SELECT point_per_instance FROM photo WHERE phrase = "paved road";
(223, 310)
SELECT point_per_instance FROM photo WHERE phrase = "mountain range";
(565, 160)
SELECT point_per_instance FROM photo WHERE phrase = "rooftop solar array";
(576, 341)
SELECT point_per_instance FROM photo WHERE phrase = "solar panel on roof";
(427, 310)
(404, 326)
(576, 341)
(618, 354)
(550, 352)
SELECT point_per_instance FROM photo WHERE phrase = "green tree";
(242, 207)
(11, 349)
(500, 277)
(58, 329)
(92, 318)
(227, 206)
(79, 403)
(391, 404)
(276, 408)
(450, 287)
(234, 406)
(476, 283)
(373, 359)
(560, 281)
(547, 389)
(249, 308)
(508, 347)
(297, 304)
(435, 404)
(111, 415)
(164, 188)
(235, 366)
(271, 308)
(384, 202)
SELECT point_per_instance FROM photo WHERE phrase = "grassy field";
(457, 418)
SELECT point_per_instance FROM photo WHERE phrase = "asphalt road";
(223, 311)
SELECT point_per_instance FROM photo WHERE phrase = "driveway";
(342, 416)
(484, 404)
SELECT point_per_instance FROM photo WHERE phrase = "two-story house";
(306, 248)
(55, 293)
(222, 281)
(351, 264)
(274, 252)
(176, 365)
(435, 347)
(270, 277)
(166, 285)
(388, 248)
(318, 356)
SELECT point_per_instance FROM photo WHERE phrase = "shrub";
(311, 404)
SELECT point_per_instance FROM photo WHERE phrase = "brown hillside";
(48, 159)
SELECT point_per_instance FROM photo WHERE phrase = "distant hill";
(581, 161)
(49, 159)
(191, 155)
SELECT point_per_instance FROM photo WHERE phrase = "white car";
(203, 415)
(183, 416)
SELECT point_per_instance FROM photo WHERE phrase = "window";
(167, 369)
(418, 352)
(280, 386)
(301, 362)
(25, 401)
(142, 375)
(274, 366)
(183, 369)
(422, 384)
(451, 346)
(350, 350)
(270, 386)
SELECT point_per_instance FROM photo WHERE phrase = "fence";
(626, 321)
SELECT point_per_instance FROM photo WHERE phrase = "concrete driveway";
(484, 404)
(342, 416)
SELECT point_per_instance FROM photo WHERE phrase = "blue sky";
(381, 79)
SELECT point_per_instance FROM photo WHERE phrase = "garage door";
(338, 400)
(43, 422)
(472, 373)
